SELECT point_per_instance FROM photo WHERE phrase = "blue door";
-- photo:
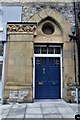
(47, 77)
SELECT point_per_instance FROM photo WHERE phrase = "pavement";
(39, 109)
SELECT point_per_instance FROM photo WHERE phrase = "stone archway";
(59, 18)
(20, 58)
(68, 74)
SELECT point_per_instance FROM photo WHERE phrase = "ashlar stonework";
(20, 49)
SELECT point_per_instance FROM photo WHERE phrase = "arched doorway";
(48, 71)
(53, 29)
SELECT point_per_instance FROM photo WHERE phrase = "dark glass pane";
(1, 49)
(50, 50)
(57, 50)
(0, 70)
(37, 50)
(57, 61)
(43, 50)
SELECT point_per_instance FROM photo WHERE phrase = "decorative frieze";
(21, 28)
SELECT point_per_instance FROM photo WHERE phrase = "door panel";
(40, 78)
(47, 77)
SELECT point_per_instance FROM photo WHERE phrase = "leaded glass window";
(47, 49)
(57, 50)
(37, 50)
(43, 50)
(50, 50)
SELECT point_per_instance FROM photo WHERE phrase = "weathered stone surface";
(21, 48)
(21, 95)
(27, 1)
(66, 9)
(18, 85)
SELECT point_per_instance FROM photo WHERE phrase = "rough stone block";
(36, 18)
(42, 14)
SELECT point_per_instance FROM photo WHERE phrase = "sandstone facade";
(20, 48)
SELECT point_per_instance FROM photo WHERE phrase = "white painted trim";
(61, 75)
(46, 55)
(1, 29)
(1, 58)
(3, 72)
(47, 45)
(33, 77)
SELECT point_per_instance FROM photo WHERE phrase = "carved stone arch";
(68, 46)
(65, 26)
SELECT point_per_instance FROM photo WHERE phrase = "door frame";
(47, 55)
(3, 59)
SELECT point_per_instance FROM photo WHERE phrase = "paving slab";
(34, 105)
(6, 109)
(34, 116)
(67, 115)
(57, 109)
(52, 116)
(49, 110)
(16, 116)
(33, 111)
(17, 111)
(79, 108)
(75, 107)
(47, 105)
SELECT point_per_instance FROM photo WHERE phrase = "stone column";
(18, 79)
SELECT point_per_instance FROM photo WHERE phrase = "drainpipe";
(3, 73)
(77, 21)
(79, 48)
(76, 42)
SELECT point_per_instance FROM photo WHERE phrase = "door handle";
(40, 83)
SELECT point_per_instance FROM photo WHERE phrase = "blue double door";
(47, 78)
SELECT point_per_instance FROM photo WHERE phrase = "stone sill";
(13, 33)
(18, 84)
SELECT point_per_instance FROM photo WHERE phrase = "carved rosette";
(21, 28)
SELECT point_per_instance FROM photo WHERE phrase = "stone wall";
(20, 50)
(18, 83)
(30, 1)
(66, 9)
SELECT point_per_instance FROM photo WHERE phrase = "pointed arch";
(59, 19)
